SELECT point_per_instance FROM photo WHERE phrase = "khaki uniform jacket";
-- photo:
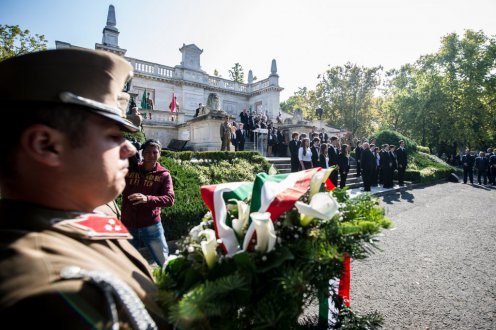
(36, 244)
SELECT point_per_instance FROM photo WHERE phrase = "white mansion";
(191, 86)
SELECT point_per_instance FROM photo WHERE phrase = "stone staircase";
(283, 165)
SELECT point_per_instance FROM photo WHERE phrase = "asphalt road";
(437, 267)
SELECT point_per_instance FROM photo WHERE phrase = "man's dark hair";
(334, 138)
(68, 119)
(151, 142)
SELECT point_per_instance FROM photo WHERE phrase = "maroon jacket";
(157, 186)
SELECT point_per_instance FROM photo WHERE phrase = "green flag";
(144, 101)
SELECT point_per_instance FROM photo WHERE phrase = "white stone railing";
(260, 84)
(227, 84)
(152, 69)
(162, 117)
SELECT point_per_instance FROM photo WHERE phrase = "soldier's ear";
(42, 144)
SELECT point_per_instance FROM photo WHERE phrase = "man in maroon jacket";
(148, 189)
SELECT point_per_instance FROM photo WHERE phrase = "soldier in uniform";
(225, 134)
(63, 266)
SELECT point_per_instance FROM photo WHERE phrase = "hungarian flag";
(270, 193)
(144, 100)
(172, 105)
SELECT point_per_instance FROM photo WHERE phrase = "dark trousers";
(482, 173)
(334, 177)
(241, 146)
(366, 181)
(308, 165)
(493, 174)
(343, 177)
(401, 175)
(468, 172)
(295, 163)
(358, 168)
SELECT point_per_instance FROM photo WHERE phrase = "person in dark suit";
(315, 149)
(333, 153)
(468, 161)
(358, 155)
(490, 174)
(386, 167)
(323, 136)
(197, 111)
(492, 168)
(294, 145)
(368, 164)
(244, 117)
(482, 165)
(241, 137)
(323, 156)
(344, 165)
(402, 156)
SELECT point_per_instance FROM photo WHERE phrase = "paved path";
(437, 269)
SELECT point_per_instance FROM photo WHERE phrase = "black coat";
(315, 155)
(402, 157)
(367, 161)
(468, 161)
(294, 145)
(481, 163)
(343, 163)
(333, 156)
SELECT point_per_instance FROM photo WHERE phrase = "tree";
(303, 99)
(345, 93)
(236, 73)
(447, 100)
(14, 41)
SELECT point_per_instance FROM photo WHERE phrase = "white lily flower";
(195, 231)
(322, 206)
(318, 179)
(209, 247)
(239, 224)
(266, 235)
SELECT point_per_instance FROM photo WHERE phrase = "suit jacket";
(358, 153)
(482, 163)
(367, 161)
(240, 136)
(333, 156)
(343, 163)
(402, 157)
(294, 145)
(323, 162)
(315, 155)
(324, 138)
(468, 161)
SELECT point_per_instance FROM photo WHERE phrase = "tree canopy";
(236, 73)
(14, 41)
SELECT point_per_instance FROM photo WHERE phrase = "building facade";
(190, 85)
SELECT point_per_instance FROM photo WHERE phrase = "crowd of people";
(484, 163)
(375, 165)
(257, 128)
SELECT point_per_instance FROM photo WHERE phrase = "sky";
(305, 37)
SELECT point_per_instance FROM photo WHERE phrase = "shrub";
(393, 137)
(190, 170)
(424, 167)
(424, 149)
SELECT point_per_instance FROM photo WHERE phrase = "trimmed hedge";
(393, 137)
(192, 169)
(423, 167)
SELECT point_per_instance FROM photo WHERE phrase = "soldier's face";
(96, 171)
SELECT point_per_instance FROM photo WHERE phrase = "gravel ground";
(437, 267)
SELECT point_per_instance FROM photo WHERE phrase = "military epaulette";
(96, 225)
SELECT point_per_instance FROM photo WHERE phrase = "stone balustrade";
(152, 69)
(162, 71)
(162, 117)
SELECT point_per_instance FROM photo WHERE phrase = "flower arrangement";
(267, 251)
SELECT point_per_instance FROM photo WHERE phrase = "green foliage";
(346, 95)
(303, 99)
(447, 98)
(14, 41)
(192, 169)
(392, 137)
(236, 73)
(253, 290)
(138, 136)
(423, 167)
(423, 149)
